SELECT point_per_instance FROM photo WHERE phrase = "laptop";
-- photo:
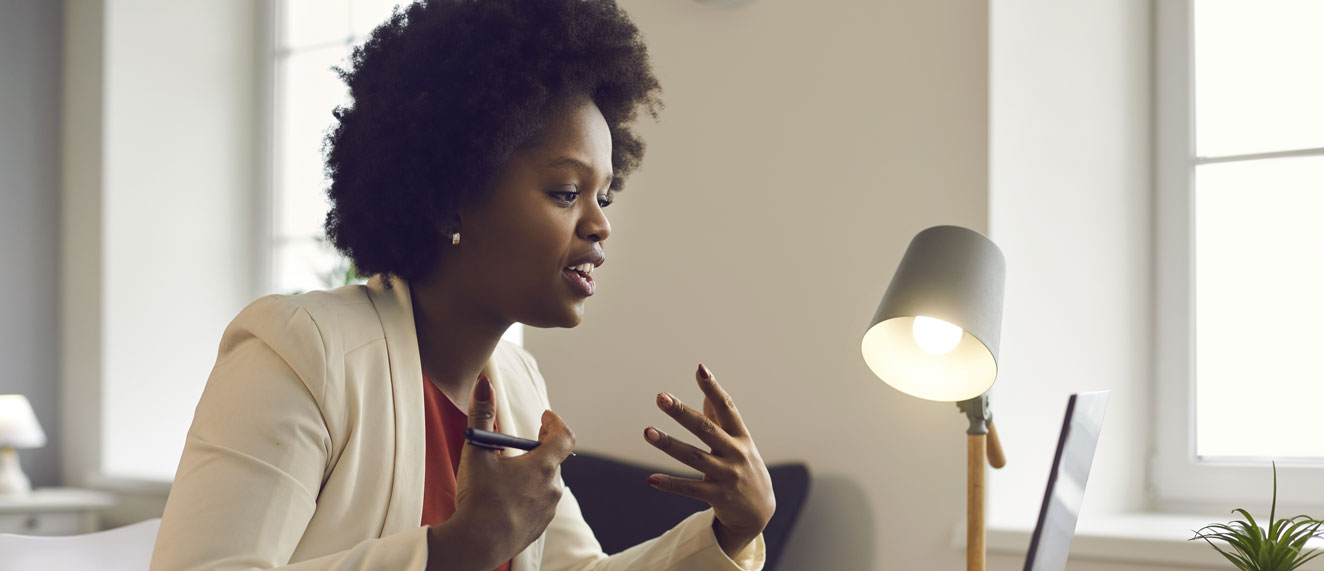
(1051, 542)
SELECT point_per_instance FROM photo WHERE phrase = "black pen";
(497, 441)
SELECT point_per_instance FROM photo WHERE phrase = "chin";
(569, 317)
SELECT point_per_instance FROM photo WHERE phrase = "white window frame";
(1181, 482)
(264, 223)
(277, 52)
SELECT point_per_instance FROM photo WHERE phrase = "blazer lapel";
(509, 423)
(405, 510)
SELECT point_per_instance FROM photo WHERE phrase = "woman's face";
(543, 216)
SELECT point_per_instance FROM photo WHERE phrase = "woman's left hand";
(735, 481)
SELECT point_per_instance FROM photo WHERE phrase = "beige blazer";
(307, 450)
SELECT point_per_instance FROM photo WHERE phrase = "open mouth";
(580, 278)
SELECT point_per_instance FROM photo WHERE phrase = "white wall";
(160, 178)
(30, 37)
(181, 132)
(1071, 204)
(803, 145)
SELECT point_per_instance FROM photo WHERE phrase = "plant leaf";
(1281, 546)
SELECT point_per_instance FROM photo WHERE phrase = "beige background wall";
(802, 146)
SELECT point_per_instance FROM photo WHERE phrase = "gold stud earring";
(455, 239)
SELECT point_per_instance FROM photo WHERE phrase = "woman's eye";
(604, 202)
(564, 196)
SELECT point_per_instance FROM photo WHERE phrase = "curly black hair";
(445, 91)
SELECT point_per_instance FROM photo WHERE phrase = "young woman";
(470, 176)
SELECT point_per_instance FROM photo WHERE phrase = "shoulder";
(309, 331)
(345, 312)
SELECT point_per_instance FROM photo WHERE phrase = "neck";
(455, 340)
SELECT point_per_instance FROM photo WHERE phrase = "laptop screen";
(1051, 542)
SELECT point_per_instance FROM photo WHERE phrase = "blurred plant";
(341, 273)
(1281, 547)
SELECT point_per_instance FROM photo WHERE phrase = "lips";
(580, 282)
(594, 257)
(579, 274)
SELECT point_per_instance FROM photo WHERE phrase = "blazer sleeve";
(690, 546)
(255, 455)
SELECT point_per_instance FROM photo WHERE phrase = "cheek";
(524, 245)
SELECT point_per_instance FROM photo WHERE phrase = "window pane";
(368, 14)
(309, 92)
(1259, 271)
(308, 23)
(1257, 82)
(306, 264)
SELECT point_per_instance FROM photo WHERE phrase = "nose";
(594, 226)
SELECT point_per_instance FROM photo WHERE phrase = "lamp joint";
(978, 412)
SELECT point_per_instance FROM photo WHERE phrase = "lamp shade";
(935, 334)
(18, 424)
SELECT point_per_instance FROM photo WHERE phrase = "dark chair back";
(624, 511)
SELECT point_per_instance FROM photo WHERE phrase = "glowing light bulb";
(935, 336)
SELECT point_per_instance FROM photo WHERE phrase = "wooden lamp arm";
(996, 458)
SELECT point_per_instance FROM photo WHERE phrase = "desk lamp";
(18, 429)
(935, 336)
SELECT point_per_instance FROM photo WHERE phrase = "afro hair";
(444, 92)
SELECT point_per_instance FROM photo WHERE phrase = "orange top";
(445, 424)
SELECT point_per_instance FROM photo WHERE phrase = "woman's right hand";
(502, 504)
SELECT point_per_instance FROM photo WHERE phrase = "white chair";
(127, 548)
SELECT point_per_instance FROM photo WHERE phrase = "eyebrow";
(571, 162)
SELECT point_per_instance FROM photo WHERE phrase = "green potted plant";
(1280, 547)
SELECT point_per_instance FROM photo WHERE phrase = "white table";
(52, 511)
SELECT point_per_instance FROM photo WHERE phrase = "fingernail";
(703, 372)
(652, 434)
(483, 392)
(663, 399)
(654, 481)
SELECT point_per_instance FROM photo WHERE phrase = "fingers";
(688, 487)
(482, 408)
(722, 407)
(482, 414)
(720, 421)
(688, 455)
(558, 441)
(705, 428)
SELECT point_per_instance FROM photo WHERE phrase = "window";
(311, 37)
(1241, 250)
